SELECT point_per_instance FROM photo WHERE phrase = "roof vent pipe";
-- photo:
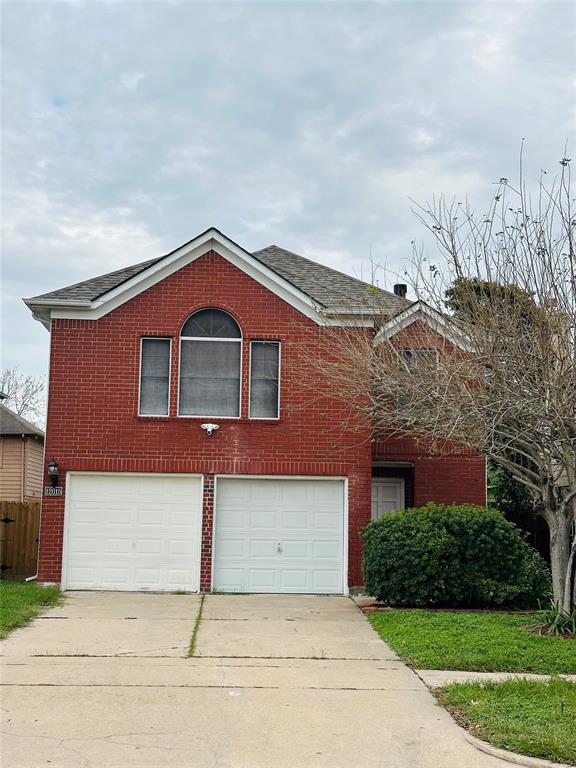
(401, 289)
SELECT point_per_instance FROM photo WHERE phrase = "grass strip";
(192, 647)
(529, 717)
(21, 602)
(481, 641)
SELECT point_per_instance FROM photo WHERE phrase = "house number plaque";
(50, 491)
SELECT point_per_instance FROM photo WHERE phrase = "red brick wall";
(453, 475)
(93, 421)
(459, 477)
(207, 529)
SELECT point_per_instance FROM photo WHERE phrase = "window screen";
(264, 369)
(209, 378)
(154, 377)
(210, 366)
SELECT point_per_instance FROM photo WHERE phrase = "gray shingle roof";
(90, 290)
(333, 290)
(12, 424)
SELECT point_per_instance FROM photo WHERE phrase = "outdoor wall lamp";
(53, 472)
(209, 428)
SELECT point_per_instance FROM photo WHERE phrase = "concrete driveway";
(275, 682)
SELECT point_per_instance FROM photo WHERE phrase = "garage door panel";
(83, 574)
(232, 518)
(133, 532)
(301, 549)
(279, 535)
(294, 579)
(327, 549)
(176, 518)
(229, 578)
(149, 517)
(113, 546)
(232, 548)
(300, 519)
(261, 494)
(117, 518)
(263, 518)
(326, 580)
(87, 545)
(233, 495)
(261, 578)
(149, 547)
(115, 576)
(148, 576)
(326, 521)
(259, 548)
(182, 547)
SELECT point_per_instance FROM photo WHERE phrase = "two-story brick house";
(189, 453)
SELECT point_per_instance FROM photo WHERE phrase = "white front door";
(279, 535)
(132, 532)
(387, 495)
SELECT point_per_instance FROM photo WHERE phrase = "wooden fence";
(19, 529)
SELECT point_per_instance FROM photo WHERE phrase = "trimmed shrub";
(452, 556)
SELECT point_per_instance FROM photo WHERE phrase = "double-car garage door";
(143, 532)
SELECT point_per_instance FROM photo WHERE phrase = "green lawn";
(530, 717)
(19, 603)
(479, 641)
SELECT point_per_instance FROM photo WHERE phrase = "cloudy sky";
(129, 127)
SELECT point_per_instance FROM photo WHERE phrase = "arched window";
(210, 355)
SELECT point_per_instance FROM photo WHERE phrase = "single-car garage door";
(279, 535)
(132, 532)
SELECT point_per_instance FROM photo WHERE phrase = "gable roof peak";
(310, 287)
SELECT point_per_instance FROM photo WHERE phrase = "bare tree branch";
(25, 395)
(505, 283)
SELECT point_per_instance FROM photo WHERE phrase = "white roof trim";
(181, 257)
(419, 311)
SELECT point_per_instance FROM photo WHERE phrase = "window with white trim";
(420, 358)
(421, 363)
(264, 379)
(210, 365)
(154, 377)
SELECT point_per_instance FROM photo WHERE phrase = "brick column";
(207, 527)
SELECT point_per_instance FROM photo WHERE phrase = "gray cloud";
(128, 127)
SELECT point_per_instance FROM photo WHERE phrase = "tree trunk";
(560, 561)
(569, 582)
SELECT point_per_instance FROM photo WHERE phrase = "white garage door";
(132, 532)
(279, 535)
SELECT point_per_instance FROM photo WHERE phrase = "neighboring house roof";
(307, 285)
(12, 424)
(421, 312)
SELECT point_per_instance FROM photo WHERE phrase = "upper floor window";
(154, 377)
(264, 379)
(420, 359)
(210, 364)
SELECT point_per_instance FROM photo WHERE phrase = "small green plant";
(194, 638)
(555, 621)
(456, 556)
